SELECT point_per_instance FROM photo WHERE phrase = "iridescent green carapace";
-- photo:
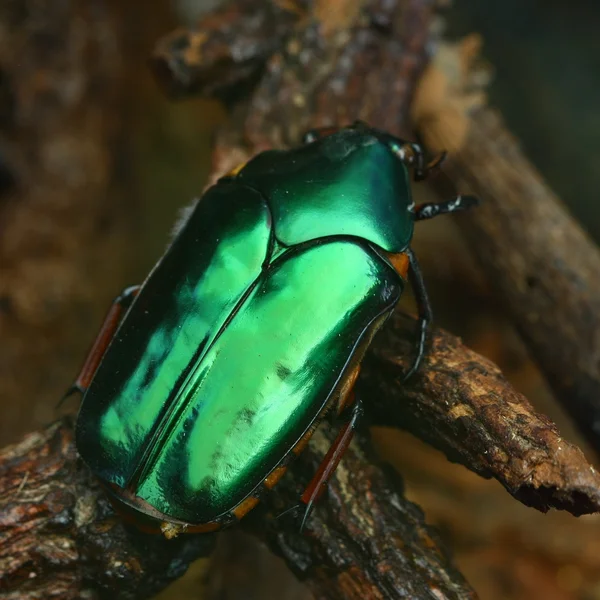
(246, 326)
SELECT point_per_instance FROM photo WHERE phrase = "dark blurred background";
(95, 164)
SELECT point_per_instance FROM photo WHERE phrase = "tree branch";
(60, 537)
(463, 405)
(227, 50)
(402, 559)
(542, 264)
(364, 540)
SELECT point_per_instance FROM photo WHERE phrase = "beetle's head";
(410, 153)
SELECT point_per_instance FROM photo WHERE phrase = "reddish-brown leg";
(111, 322)
(326, 469)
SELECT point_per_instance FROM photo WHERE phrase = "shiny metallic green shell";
(242, 331)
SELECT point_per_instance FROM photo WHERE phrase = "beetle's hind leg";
(107, 331)
(318, 483)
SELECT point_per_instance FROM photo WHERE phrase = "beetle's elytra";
(209, 377)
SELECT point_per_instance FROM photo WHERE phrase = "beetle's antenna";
(433, 209)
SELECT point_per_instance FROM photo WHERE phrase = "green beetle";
(251, 328)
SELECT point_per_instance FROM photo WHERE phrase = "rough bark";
(538, 258)
(340, 61)
(226, 51)
(364, 540)
(461, 404)
(62, 539)
(411, 563)
(59, 537)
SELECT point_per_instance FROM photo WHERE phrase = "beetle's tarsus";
(422, 212)
(433, 209)
(420, 352)
(425, 312)
(305, 516)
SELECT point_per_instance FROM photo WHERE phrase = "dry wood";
(364, 539)
(226, 50)
(461, 404)
(542, 264)
(402, 559)
(59, 537)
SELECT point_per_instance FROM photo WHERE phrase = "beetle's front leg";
(318, 483)
(107, 331)
(424, 307)
(433, 209)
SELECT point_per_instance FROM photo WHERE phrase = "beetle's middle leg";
(105, 335)
(424, 307)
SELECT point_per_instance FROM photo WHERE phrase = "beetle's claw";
(415, 367)
(420, 349)
(468, 201)
(295, 510)
(305, 516)
(74, 389)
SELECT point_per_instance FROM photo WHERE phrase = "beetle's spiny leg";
(433, 209)
(105, 335)
(327, 467)
(424, 307)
